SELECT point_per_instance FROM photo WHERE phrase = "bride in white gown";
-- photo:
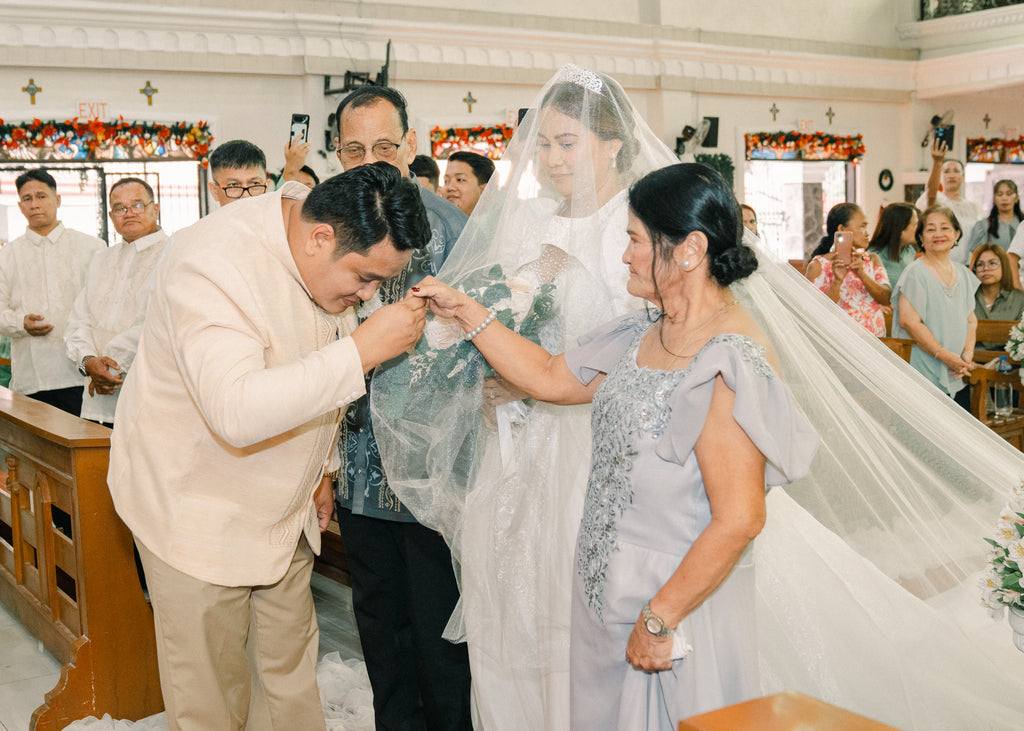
(512, 509)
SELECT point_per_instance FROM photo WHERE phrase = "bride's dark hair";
(677, 200)
(606, 113)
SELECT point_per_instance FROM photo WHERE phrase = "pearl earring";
(686, 263)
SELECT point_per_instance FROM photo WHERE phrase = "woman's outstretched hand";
(446, 302)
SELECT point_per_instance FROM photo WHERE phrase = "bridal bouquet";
(1001, 585)
(446, 360)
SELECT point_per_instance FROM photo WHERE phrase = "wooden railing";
(67, 569)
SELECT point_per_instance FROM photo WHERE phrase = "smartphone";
(946, 135)
(300, 128)
(844, 247)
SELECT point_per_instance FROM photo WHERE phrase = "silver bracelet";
(491, 314)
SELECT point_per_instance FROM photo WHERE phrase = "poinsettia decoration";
(487, 141)
(995, 150)
(803, 146)
(94, 139)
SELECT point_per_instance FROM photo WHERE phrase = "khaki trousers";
(236, 657)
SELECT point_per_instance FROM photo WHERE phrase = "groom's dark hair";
(367, 204)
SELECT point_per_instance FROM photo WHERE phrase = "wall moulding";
(92, 35)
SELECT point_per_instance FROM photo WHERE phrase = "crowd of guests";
(932, 270)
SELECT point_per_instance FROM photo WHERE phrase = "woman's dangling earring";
(613, 164)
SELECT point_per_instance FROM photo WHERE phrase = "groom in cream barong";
(225, 428)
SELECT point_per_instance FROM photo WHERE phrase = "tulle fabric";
(868, 567)
(344, 692)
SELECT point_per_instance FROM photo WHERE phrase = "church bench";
(67, 569)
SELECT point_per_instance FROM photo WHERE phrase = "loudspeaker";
(711, 140)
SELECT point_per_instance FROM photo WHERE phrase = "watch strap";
(649, 615)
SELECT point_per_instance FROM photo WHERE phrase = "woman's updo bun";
(677, 200)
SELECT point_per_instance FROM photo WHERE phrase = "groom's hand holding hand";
(390, 331)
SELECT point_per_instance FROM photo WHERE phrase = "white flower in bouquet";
(1006, 529)
(442, 333)
(1015, 551)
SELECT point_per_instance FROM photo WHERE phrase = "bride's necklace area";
(693, 333)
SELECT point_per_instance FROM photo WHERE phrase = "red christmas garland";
(94, 139)
(487, 141)
(995, 150)
(803, 146)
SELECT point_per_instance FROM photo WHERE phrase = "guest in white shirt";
(249, 355)
(41, 273)
(951, 174)
(106, 321)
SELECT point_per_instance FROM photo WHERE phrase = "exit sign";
(93, 110)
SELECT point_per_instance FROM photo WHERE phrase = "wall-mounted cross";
(774, 110)
(469, 101)
(32, 90)
(830, 114)
(149, 91)
(986, 119)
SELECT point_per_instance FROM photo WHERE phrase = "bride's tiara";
(581, 77)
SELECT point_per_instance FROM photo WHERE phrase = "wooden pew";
(992, 331)
(900, 346)
(788, 711)
(1010, 428)
(67, 570)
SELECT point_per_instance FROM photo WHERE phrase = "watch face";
(654, 626)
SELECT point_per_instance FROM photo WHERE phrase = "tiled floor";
(27, 671)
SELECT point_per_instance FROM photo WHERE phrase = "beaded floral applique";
(631, 405)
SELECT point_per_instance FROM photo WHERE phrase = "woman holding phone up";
(934, 305)
(851, 277)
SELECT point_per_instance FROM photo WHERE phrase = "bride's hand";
(444, 301)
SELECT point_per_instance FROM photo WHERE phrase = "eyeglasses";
(994, 264)
(237, 191)
(384, 151)
(136, 207)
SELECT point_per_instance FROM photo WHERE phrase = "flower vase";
(1016, 617)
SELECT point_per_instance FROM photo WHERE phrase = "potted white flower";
(1001, 585)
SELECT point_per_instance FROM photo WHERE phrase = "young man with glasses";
(106, 320)
(403, 584)
(239, 170)
(41, 273)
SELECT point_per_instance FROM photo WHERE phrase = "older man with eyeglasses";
(106, 320)
(403, 584)
(239, 170)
